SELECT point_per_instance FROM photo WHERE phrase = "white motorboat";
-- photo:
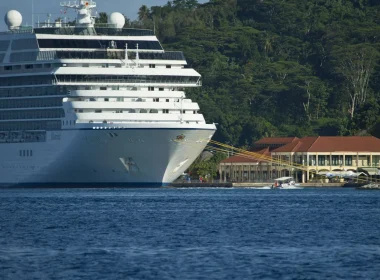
(285, 183)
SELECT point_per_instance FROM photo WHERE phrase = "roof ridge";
(313, 143)
(297, 144)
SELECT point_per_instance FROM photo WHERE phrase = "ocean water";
(189, 234)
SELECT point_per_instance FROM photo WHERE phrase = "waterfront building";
(305, 158)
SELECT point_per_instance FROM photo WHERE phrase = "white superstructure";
(92, 105)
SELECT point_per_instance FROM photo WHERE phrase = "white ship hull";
(125, 157)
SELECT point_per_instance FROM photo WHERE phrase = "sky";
(44, 7)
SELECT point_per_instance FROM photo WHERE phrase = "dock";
(254, 185)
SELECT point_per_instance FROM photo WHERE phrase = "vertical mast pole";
(32, 13)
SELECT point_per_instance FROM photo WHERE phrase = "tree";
(143, 13)
(355, 64)
(102, 18)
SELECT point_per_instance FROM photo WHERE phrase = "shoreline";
(260, 185)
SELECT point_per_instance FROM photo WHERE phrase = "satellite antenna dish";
(117, 20)
(13, 19)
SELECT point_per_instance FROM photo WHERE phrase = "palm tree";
(143, 12)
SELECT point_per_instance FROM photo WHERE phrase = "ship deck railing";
(103, 54)
(66, 29)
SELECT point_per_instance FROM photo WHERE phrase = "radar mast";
(84, 12)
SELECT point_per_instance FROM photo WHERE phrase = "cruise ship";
(84, 104)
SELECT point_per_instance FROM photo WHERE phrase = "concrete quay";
(251, 185)
(304, 185)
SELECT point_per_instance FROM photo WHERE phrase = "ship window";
(29, 66)
(106, 99)
(150, 88)
(103, 88)
(161, 89)
(168, 66)
(165, 111)
(97, 44)
(7, 68)
(167, 100)
(156, 99)
(120, 99)
(152, 65)
(153, 111)
(98, 111)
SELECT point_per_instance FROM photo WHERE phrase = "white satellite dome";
(13, 19)
(117, 19)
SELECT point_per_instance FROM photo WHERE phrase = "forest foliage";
(275, 67)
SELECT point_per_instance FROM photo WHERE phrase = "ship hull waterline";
(102, 158)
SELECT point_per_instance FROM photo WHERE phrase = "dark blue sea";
(189, 234)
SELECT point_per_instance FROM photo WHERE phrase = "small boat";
(286, 183)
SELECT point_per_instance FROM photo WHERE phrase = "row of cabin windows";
(57, 65)
(50, 79)
(68, 122)
(29, 66)
(61, 90)
(30, 103)
(122, 99)
(31, 114)
(26, 153)
(22, 136)
(154, 66)
(152, 89)
(34, 91)
(133, 111)
(30, 125)
(129, 88)
(146, 79)
(133, 88)
(98, 44)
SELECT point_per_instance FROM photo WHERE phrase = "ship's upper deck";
(89, 31)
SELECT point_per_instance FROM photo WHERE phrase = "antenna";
(181, 116)
(126, 56)
(32, 13)
(84, 11)
(137, 55)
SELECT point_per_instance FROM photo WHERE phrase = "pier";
(256, 185)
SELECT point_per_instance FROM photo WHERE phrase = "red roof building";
(304, 157)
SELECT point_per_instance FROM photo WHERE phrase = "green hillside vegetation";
(278, 68)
